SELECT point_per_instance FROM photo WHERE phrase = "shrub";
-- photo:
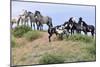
(20, 30)
(32, 35)
(13, 42)
(51, 59)
(83, 38)
(92, 49)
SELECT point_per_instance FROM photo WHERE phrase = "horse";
(70, 25)
(40, 20)
(32, 19)
(85, 27)
(13, 21)
(58, 30)
(23, 18)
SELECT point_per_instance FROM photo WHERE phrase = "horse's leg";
(79, 31)
(33, 25)
(17, 23)
(92, 33)
(37, 25)
(71, 31)
(50, 37)
(62, 36)
(85, 32)
(27, 23)
(22, 22)
(42, 27)
(67, 33)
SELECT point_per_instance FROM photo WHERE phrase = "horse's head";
(81, 22)
(71, 22)
(80, 19)
(37, 13)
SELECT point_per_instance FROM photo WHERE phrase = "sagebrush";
(20, 30)
(32, 35)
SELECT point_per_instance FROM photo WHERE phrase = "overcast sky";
(58, 12)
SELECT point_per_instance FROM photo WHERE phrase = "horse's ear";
(80, 18)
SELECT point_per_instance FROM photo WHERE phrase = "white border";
(5, 33)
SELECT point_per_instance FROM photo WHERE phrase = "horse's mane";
(70, 20)
(84, 23)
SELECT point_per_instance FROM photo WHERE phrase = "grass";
(51, 59)
(21, 30)
(13, 42)
(77, 52)
(82, 48)
(75, 48)
(80, 37)
(32, 35)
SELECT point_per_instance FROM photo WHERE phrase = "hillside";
(31, 52)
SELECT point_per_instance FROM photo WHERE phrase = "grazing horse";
(86, 28)
(58, 30)
(40, 20)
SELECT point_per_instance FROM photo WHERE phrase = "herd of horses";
(70, 26)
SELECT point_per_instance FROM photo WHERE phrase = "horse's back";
(45, 19)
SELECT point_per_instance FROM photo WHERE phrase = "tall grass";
(20, 30)
(13, 42)
(86, 51)
(80, 37)
(51, 59)
(32, 35)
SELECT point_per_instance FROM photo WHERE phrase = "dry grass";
(31, 52)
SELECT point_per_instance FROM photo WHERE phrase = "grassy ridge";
(72, 49)
(86, 52)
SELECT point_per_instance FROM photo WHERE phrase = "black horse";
(70, 25)
(85, 27)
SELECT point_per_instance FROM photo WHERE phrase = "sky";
(58, 12)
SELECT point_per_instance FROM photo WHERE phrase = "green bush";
(83, 38)
(92, 49)
(32, 35)
(13, 42)
(51, 59)
(20, 30)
